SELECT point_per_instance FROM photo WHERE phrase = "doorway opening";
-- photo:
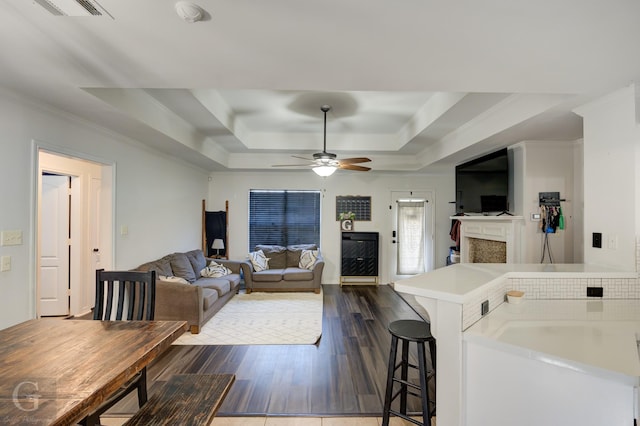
(413, 233)
(74, 225)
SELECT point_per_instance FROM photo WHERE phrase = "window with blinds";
(284, 217)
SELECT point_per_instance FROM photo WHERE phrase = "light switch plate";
(11, 238)
(5, 263)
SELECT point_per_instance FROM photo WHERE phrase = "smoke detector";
(189, 12)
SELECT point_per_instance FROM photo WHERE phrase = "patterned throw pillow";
(215, 270)
(259, 261)
(173, 279)
(308, 259)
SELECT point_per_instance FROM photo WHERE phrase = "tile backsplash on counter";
(548, 289)
(575, 288)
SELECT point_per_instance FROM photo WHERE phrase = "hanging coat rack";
(549, 199)
(552, 219)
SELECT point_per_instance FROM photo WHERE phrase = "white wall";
(548, 167)
(235, 186)
(158, 198)
(610, 145)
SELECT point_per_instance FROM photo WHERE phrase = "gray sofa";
(284, 273)
(183, 294)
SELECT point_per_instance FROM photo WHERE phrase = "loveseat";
(182, 293)
(284, 271)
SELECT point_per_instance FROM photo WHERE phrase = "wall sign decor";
(346, 225)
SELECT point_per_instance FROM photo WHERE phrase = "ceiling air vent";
(73, 7)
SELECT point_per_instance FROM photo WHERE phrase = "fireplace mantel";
(494, 228)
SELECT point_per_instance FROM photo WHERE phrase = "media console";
(359, 254)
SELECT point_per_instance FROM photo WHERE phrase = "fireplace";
(487, 251)
(490, 239)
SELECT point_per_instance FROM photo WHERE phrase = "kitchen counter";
(595, 337)
(455, 297)
(459, 282)
(553, 362)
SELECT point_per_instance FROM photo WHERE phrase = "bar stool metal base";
(418, 332)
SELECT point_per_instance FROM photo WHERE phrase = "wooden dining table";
(55, 372)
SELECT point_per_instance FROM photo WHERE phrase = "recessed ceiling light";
(189, 12)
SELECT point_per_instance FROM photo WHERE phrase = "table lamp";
(218, 245)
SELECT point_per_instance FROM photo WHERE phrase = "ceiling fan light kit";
(324, 171)
(326, 163)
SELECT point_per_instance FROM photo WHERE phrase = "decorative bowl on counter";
(515, 296)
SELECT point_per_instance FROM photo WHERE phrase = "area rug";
(263, 319)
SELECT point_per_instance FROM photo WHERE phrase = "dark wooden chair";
(134, 296)
(135, 289)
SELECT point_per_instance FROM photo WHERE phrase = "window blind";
(284, 217)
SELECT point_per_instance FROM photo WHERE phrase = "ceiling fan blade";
(354, 167)
(354, 160)
(294, 165)
(302, 158)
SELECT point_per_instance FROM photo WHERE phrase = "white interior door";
(412, 238)
(54, 248)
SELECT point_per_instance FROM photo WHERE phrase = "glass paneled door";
(412, 239)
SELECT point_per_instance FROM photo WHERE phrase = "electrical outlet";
(484, 308)
(596, 240)
(594, 292)
(5, 263)
(11, 238)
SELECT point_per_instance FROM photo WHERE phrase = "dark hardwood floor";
(344, 374)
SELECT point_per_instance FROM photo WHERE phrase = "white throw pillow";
(173, 279)
(215, 270)
(259, 261)
(308, 258)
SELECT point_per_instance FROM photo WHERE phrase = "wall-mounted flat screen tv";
(482, 185)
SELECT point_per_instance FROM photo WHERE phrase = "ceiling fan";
(325, 163)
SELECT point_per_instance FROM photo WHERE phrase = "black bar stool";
(409, 331)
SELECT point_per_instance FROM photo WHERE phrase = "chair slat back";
(136, 290)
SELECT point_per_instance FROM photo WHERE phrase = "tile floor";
(287, 421)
